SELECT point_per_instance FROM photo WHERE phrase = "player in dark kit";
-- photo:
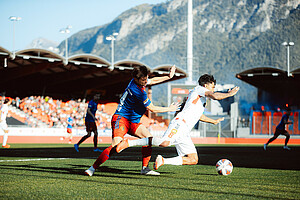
(280, 130)
(90, 123)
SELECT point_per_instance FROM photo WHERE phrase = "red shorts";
(69, 130)
(90, 126)
(120, 126)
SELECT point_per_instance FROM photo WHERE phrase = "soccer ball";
(224, 167)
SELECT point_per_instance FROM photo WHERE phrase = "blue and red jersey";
(133, 103)
(93, 108)
(70, 122)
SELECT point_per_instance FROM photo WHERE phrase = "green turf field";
(23, 178)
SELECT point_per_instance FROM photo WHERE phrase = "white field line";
(38, 159)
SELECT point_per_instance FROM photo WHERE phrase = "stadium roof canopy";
(45, 73)
(274, 86)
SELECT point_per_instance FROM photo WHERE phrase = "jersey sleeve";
(148, 81)
(142, 97)
(147, 102)
(201, 91)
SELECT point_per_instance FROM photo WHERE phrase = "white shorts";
(3, 126)
(178, 135)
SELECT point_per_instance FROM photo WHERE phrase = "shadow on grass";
(250, 157)
(73, 169)
(144, 185)
(206, 174)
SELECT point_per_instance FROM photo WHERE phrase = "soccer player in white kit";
(179, 128)
(3, 125)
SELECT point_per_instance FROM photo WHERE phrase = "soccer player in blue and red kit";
(133, 104)
(90, 123)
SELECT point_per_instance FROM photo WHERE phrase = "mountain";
(43, 43)
(230, 36)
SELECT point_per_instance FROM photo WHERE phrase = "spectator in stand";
(17, 102)
(55, 112)
(3, 124)
(90, 123)
(70, 124)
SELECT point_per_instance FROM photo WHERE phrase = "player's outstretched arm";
(206, 119)
(220, 96)
(156, 80)
(158, 109)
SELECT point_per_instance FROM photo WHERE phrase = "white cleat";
(265, 146)
(90, 171)
(158, 162)
(147, 171)
(286, 148)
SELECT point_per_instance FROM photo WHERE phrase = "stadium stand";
(39, 112)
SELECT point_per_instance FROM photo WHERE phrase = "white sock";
(142, 142)
(5, 136)
(156, 141)
(173, 161)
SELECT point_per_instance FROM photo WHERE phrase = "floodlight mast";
(112, 38)
(66, 31)
(190, 42)
(287, 45)
(14, 19)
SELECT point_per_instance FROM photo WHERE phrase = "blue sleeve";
(90, 105)
(142, 97)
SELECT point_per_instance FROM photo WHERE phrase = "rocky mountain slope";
(229, 36)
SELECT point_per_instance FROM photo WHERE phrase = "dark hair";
(140, 72)
(206, 78)
(6, 101)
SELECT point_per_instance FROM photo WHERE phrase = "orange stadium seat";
(267, 122)
(256, 122)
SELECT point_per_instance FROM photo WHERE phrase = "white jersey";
(194, 107)
(4, 111)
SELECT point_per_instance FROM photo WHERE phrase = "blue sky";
(44, 18)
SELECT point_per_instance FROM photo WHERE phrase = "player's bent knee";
(193, 159)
